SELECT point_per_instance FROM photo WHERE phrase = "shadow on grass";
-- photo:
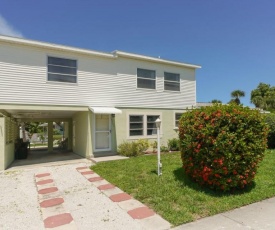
(187, 181)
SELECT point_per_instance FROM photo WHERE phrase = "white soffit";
(105, 110)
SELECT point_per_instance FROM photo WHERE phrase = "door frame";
(94, 133)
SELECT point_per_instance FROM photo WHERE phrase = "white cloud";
(7, 29)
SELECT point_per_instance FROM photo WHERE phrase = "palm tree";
(236, 94)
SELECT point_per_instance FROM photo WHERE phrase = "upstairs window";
(62, 70)
(171, 81)
(146, 79)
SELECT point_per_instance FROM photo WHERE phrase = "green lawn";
(173, 195)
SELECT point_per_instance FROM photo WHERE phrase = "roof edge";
(40, 44)
(149, 58)
(115, 54)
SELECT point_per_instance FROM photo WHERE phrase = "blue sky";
(233, 41)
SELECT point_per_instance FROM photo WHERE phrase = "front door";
(102, 132)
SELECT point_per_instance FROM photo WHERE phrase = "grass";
(173, 195)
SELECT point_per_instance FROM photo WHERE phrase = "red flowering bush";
(222, 145)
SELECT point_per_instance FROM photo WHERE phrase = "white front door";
(102, 132)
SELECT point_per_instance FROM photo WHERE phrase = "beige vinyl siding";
(100, 81)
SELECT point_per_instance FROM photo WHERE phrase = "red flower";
(217, 175)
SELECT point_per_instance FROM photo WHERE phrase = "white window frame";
(179, 82)
(144, 114)
(137, 77)
(61, 82)
(175, 120)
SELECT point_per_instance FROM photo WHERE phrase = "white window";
(62, 70)
(177, 118)
(136, 125)
(142, 125)
(151, 125)
(146, 79)
(171, 81)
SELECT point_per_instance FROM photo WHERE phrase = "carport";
(12, 116)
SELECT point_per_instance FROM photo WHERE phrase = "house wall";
(167, 131)
(9, 154)
(2, 143)
(101, 81)
(6, 149)
(82, 145)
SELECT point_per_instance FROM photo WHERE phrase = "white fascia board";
(105, 110)
(23, 41)
(148, 58)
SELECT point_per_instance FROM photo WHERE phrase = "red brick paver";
(120, 197)
(51, 202)
(87, 172)
(42, 175)
(141, 213)
(93, 179)
(106, 186)
(47, 190)
(58, 220)
(44, 182)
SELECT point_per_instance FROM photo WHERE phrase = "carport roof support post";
(50, 136)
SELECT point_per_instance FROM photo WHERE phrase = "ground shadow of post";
(187, 181)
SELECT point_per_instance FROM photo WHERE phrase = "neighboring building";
(102, 98)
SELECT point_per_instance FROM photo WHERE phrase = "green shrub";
(134, 148)
(270, 120)
(154, 146)
(173, 144)
(222, 145)
(164, 149)
(142, 146)
(57, 137)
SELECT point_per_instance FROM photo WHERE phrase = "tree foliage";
(270, 120)
(33, 127)
(216, 101)
(263, 96)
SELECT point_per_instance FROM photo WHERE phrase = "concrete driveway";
(67, 195)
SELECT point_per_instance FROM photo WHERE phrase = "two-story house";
(102, 98)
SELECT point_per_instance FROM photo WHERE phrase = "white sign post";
(158, 122)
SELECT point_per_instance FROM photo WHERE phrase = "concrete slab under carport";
(35, 113)
(41, 158)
